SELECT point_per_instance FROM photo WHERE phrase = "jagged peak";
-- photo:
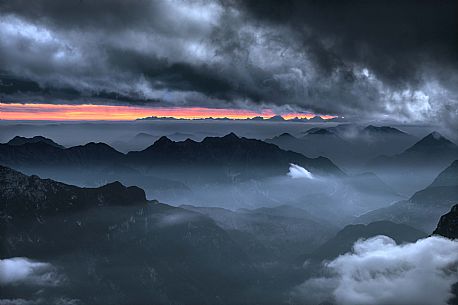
(230, 136)
(434, 137)
(162, 141)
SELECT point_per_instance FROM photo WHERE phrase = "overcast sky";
(370, 59)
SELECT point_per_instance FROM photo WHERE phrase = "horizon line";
(95, 112)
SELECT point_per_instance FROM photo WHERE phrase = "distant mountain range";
(416, 166)
(164, 169)
(431, 150)
(347, 144)
(424, 208)
(227, 157)
(275, 118)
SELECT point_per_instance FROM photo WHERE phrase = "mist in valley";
(238, 152)
(227, 208)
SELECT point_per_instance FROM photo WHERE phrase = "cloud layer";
(20, 270)
(379, 272)
(395, 59)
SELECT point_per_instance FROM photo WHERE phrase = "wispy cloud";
(296, 171)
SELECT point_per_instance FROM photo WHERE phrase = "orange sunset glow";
(86, 112)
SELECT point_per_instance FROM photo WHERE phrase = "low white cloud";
(296, 171)
(21, 270)
(379, 272)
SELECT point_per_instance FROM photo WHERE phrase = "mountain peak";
(162, 141)
(18, 140)
(93, 146)
(276, 118)
(432, 141)
(231, 136)
(317, 118)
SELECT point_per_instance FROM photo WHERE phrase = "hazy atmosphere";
(228, 152)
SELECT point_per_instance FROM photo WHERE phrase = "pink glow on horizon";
(86, 112)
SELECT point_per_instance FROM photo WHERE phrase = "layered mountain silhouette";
(41, 154)
(346, 144)
(424, 208)
(432, 149)
(30, 196)
(229, 152)
(415, 167)
(227, 157)
(116, 247)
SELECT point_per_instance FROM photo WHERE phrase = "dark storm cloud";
(369, 59)
(395, 39)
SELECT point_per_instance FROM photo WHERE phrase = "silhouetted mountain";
(345, 239)
(23, 140)
(432, 143)
(448, 224)
(424, 208)
(432, 149)
(276, 118)
(415, 167)
(96, 153)
(116, 248)
(227, 157)
(27, 196)
(92, 164)
(383, 130)
(347, 144)
(229, 153)
(42, 154)
(282, 140)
